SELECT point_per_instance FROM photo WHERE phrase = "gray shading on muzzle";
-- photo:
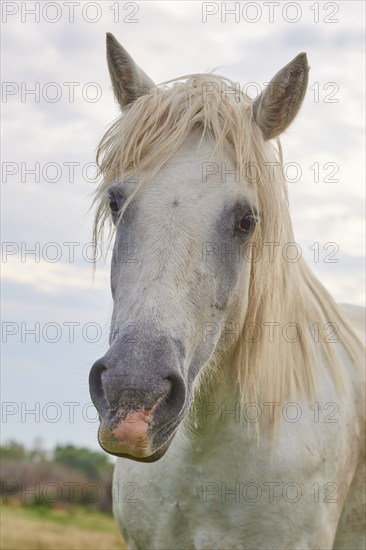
(140, 375)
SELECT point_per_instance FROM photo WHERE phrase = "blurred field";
(37, 528)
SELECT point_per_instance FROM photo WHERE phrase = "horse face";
(179, 270)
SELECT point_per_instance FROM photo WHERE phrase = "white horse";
(233, 381)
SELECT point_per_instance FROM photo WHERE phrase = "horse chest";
(232, 497)
(179, 506)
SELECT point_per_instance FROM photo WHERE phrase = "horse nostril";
(96, 386)
(176, 395)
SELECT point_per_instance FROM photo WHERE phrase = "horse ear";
(128, 80)
(276, 107)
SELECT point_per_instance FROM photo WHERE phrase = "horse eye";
(247, 223)
(113, 206)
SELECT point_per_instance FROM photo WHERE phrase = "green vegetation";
(56, 500)
(91, 463)
(68, 476)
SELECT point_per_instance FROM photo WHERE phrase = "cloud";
(46, 277)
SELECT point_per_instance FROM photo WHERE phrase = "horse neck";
(216, 402)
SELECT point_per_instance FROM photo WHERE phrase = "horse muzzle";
(140, 396)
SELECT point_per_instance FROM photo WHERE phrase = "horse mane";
(145, 136)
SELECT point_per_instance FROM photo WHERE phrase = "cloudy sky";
(57, 103)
